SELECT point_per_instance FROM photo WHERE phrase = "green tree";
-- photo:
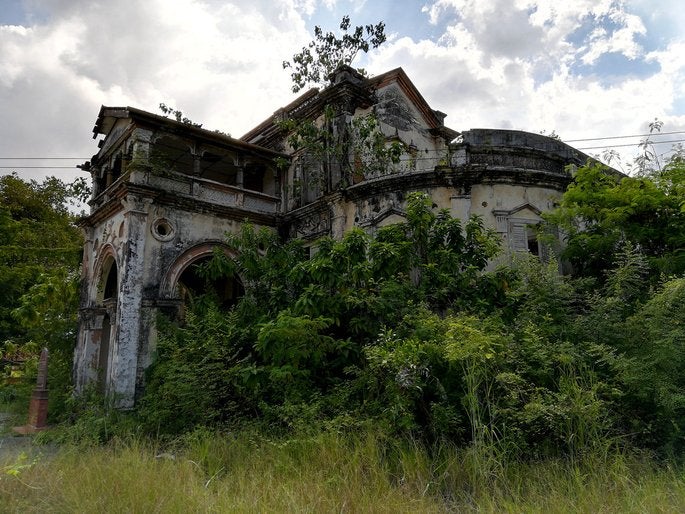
(654, 342)
(600, 211)
(40, 253)
(37, 235)
(327, 52)
(294, 350)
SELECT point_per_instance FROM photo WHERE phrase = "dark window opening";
(223, 175)
(111, 285)
(219, 168)
(99, 184)
(225, 290)
(253, 178)
(533, 245)
(169, 155)
(116, 168)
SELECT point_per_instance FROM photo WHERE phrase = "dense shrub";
(405, 330)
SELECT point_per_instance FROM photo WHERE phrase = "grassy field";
(208, 472)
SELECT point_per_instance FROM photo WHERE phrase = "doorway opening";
(192, 284)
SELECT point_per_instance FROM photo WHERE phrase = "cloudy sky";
(581, 68)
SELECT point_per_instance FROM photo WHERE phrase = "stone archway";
(192, 284)
(104, 300)
(183, 280)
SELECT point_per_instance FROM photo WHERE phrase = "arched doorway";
(193, 283)
(107, 293)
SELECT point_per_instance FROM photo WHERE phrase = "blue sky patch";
(412, 22)
(12, 13)
(614, 67)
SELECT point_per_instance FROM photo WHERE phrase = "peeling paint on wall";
(165, 195)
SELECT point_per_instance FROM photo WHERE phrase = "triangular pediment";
(386, 217)
(396, 81)
(526, 211)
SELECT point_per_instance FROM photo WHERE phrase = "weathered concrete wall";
(145, 241)
(152, 223)
(487, 198)
(399, 117)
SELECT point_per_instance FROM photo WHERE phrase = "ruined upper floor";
(364, 135)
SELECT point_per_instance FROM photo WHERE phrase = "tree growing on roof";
(178, 115)
(327, 52)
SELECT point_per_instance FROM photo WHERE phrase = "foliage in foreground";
(40, 253)
(328, 472)
(600, 212)
(294, 349)
(406, 331)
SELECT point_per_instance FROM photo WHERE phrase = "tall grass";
(207, 472)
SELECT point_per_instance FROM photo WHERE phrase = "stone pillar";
(38, 408)
(126, 335)
(196, 154)
(141, 144)
(239, 175)
(239, 180)
(87, 347)
(338, 222)
(139, 150)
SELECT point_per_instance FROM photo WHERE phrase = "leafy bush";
(655, 375)
(404, 330)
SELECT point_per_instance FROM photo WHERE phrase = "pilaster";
(127, 342)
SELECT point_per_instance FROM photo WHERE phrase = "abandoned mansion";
(165, 193)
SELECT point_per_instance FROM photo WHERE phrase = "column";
(126, 340)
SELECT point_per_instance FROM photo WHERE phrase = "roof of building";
(433, 119)
(108, 117)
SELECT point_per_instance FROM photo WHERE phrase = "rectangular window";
(523, 237)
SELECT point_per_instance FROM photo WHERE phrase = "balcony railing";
(197, 188)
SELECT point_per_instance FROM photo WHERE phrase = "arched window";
(108, 284)
(192, 284)
(111, 283)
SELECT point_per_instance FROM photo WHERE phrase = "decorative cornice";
(114, 205)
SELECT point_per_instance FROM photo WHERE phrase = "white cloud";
(623, 40)
(219, 62)
(500, 63)
(515, 65)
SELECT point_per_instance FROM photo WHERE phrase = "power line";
(653, 134)
(631, 144)
(38, 167)
(604, 138)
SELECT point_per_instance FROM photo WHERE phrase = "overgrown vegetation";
(601, 211)
(40, 253)
(246, 472)
(328, 51)
(390, 371)
(405, 331)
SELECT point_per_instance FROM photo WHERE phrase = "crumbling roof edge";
(399, 75)
(433, 118)
(311, 93)
(141, 115)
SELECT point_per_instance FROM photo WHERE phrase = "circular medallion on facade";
(163, 230)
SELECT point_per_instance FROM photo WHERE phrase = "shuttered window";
(518, 235)
(523, 238)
